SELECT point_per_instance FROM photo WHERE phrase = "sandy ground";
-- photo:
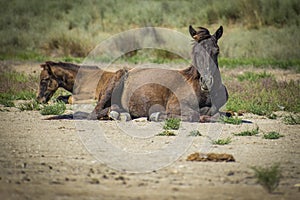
(42, 159)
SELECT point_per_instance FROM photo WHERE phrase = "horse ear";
(47, 67)
(218, 34)
(193, 32)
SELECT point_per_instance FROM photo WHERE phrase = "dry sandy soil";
(46, 159)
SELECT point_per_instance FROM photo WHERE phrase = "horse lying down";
(193, 94)
(56, 75)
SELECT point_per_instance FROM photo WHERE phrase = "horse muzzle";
(206, 82)
(41, 99)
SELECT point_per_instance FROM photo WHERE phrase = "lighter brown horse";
(62, 74)
(191, 94)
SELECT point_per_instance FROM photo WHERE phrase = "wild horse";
(61, 74)
(193, 94)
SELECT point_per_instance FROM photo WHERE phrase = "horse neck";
(65, 77)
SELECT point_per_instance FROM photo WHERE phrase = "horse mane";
(67, 65)
(191, 73)
(202, 34)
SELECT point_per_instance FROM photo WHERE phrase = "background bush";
(253, 28)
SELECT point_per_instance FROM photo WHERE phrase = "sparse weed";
(248, 133)
(57, 108)
(166, 133)
(268, 177)
(291, 119)
(32, 105)
(172, 124)
(272, 135)
(195, 133)
(231, 120)
(222, 141)
(272, 116)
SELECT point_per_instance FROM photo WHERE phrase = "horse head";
(48, 83)
(205, 56)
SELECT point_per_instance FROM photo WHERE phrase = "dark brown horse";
(158, 94)
(61, 74)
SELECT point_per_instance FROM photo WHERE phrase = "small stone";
(94, 181)
(120, 178)
(105, 177)
(231, 173)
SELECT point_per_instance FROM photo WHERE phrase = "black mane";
(68, 66)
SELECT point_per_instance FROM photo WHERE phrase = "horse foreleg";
(161, 116)
(103, 107)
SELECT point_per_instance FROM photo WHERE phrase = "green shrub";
(166, 133)
(248, 133)
(222, 141)
(268, 177)
(57, 108)
(231, 120)
(272, 135)
(171, 124)
(32, 105)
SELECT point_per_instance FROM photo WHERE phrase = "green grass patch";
(166, 133)
(263, 97)
(222, 141)
(252, 76)
(57, 108)
(248, 133)
(259, 63)
(195, 133)
(6, 100)
(171, 124)
(268, 177)
(231, 120)
(16, 86)
(291, 119)
(31, 105)
(273, 135)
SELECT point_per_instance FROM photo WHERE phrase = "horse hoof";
(125, 116)
(154, 116)
(114, 115)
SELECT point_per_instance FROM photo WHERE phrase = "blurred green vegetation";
(263, 96)
(254, 29)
